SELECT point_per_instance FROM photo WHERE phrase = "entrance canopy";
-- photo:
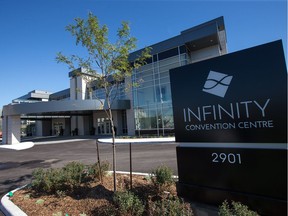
(61, 108)
(13, 113)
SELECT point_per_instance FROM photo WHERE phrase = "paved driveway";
(16, 166)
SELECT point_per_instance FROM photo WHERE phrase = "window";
(161, 94)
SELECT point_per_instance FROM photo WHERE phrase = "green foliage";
(128, 203)
(224, 209)
(106, 210)
(66, 179)
(104, 59)
(38, 179)
(73, 172)
(147, 178)
(48, 181)
(162, 176)
(60, 193)
(27, 196)
(171, 206)
(40, 201)
(58, 181)
(236, 209)
(94, 169)
(106, 63)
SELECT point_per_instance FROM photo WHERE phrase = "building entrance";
(58, 128)
(104, 126)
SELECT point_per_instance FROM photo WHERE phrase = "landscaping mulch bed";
(92, 198)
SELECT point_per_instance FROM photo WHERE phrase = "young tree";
(106, 63)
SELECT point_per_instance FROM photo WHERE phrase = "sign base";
(262, 205)
(256, 177)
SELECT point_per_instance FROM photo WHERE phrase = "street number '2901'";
(228, 158)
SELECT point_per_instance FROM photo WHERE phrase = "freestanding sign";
(230, 117)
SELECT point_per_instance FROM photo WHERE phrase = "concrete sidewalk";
(18, 146)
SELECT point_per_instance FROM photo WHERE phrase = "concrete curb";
(138, 140)
(136, 173)
(8, 207)
(59, 141)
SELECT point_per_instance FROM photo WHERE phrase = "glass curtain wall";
(116, 93)
(152, 97)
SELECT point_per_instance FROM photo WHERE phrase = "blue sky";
(33, 31)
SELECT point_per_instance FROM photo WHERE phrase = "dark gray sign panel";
(238, 97)
(230, 117)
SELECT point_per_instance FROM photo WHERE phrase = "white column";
(78, 88)
(130, 122)
(4, 129)
(11, 130)
(81, 88)
(73, 123)
(73, 88)
(81, 125)
(39, 128)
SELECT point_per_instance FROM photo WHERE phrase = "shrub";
(59, 181)
(162, 176)
(74, 172)
(94, 170)
(128, 203)
(38, 177)
(105, 210)
(48, 181)
(236, 209)
(171, 206)
(53, 181)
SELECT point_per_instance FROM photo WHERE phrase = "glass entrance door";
(104, 126)
(58, 128)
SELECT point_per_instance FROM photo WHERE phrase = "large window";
(117, 92)
(152, 97)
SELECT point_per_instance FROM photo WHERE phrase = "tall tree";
(106, 63)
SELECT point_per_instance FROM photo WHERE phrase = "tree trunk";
(113, 147)
(99, 162)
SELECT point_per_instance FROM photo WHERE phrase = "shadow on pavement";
(6, 168)
(11, 184)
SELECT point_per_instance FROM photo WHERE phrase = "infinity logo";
(217, 83)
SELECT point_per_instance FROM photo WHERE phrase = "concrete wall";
(81, 125)
(11, 130)
(43, 128)
(87, 124)
(223, 41)
(77, 88)
(205, 53)
(67, 130)
(39, 128)
(73, 88)
(81, 88)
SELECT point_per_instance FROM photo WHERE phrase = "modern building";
(145, 109)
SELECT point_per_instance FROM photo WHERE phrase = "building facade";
(145, 109)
